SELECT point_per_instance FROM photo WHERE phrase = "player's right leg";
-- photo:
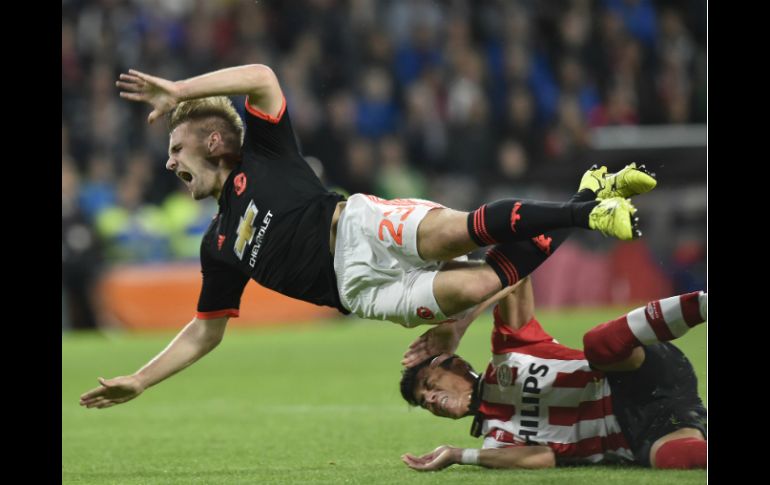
(432, 295)
(458, 287)
(514, 261)
(617, 345)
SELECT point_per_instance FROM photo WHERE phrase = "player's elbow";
(209, 333)
(261, 75)
(528, 458)
(540, 457)
(211, 341)
(543, 460)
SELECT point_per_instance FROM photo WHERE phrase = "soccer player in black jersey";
(400, 260)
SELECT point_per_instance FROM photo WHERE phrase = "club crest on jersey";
(652, 311)
(504, 375)
(425, 313)
(240, 183)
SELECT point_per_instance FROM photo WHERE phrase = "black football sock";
(513, 220)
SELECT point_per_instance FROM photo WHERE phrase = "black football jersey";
(272, 225)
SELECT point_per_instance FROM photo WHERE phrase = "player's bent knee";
(479, 289)
(442, 235)
(682, 453)
(460, 286)
(596, 347)
(603, 346)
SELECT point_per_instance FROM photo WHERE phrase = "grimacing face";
(187, 159)
(445, 392)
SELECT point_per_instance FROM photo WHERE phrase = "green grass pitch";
(297, 404)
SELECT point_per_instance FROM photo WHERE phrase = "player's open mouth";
(186, 176)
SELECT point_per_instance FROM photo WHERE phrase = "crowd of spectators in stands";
(391, 97)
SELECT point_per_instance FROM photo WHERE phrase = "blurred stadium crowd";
(454, 101)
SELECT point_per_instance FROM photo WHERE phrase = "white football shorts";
(380, 275)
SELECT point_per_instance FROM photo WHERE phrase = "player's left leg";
(600, 204)
(513, 261)
(459, 288)
(627, 182)
(616, 345)
(445, 234)
(684, 448)
(659, 409)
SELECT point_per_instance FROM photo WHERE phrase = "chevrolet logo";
(246, 230)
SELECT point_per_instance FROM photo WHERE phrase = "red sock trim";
(480, 226)
(495, 257)
(684, 453)
(691, 308)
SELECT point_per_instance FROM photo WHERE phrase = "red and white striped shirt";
(538, 391)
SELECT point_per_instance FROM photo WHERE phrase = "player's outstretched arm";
(513, 457)
(257, 81)
(197, 339)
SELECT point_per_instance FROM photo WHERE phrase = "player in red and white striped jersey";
(629, 396)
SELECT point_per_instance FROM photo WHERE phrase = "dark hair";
(409, 377)
(409, 380)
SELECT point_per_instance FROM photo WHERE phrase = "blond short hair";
(216, 113)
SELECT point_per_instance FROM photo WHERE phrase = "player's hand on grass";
(112, 392)
(163, 95)
(438, 459)
(442, 339)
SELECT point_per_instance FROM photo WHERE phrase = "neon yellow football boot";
(615, 218)
(594, 179)
(629, 181)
